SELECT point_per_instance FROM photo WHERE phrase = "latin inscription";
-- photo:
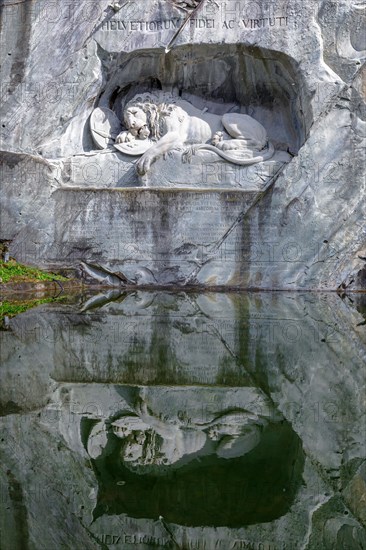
(155, 26)
(139, 25)
(265, 22)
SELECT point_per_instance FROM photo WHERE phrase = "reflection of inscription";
(248, 545)
(155, 26)
(195, 544)
(149, 540)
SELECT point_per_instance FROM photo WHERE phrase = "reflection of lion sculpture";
(173, 123)
(150, 443)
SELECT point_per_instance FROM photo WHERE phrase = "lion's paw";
(144, 164)
(125, 137)
(188, 154)
(217, 138)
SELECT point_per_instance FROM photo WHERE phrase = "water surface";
(184, 420)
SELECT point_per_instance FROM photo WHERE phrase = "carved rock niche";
(218, 79)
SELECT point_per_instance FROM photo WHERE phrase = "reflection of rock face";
(256, 487)
(151, 440)
(152, 338)
(195, 467)
(221, 453)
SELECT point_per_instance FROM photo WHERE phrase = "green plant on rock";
(13, 272)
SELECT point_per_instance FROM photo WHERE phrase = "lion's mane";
(157, 107)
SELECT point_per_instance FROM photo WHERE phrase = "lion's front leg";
(171, 140)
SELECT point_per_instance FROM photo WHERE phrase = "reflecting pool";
(184, 420)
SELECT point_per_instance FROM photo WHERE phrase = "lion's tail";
(236, 158)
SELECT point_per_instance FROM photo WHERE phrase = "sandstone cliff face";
(297, 67)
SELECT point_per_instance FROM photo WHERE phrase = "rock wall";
(297, 67)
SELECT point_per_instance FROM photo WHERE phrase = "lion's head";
(150, 110)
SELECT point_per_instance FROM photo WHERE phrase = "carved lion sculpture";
(169, 122)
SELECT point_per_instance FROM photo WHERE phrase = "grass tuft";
(12, 272)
